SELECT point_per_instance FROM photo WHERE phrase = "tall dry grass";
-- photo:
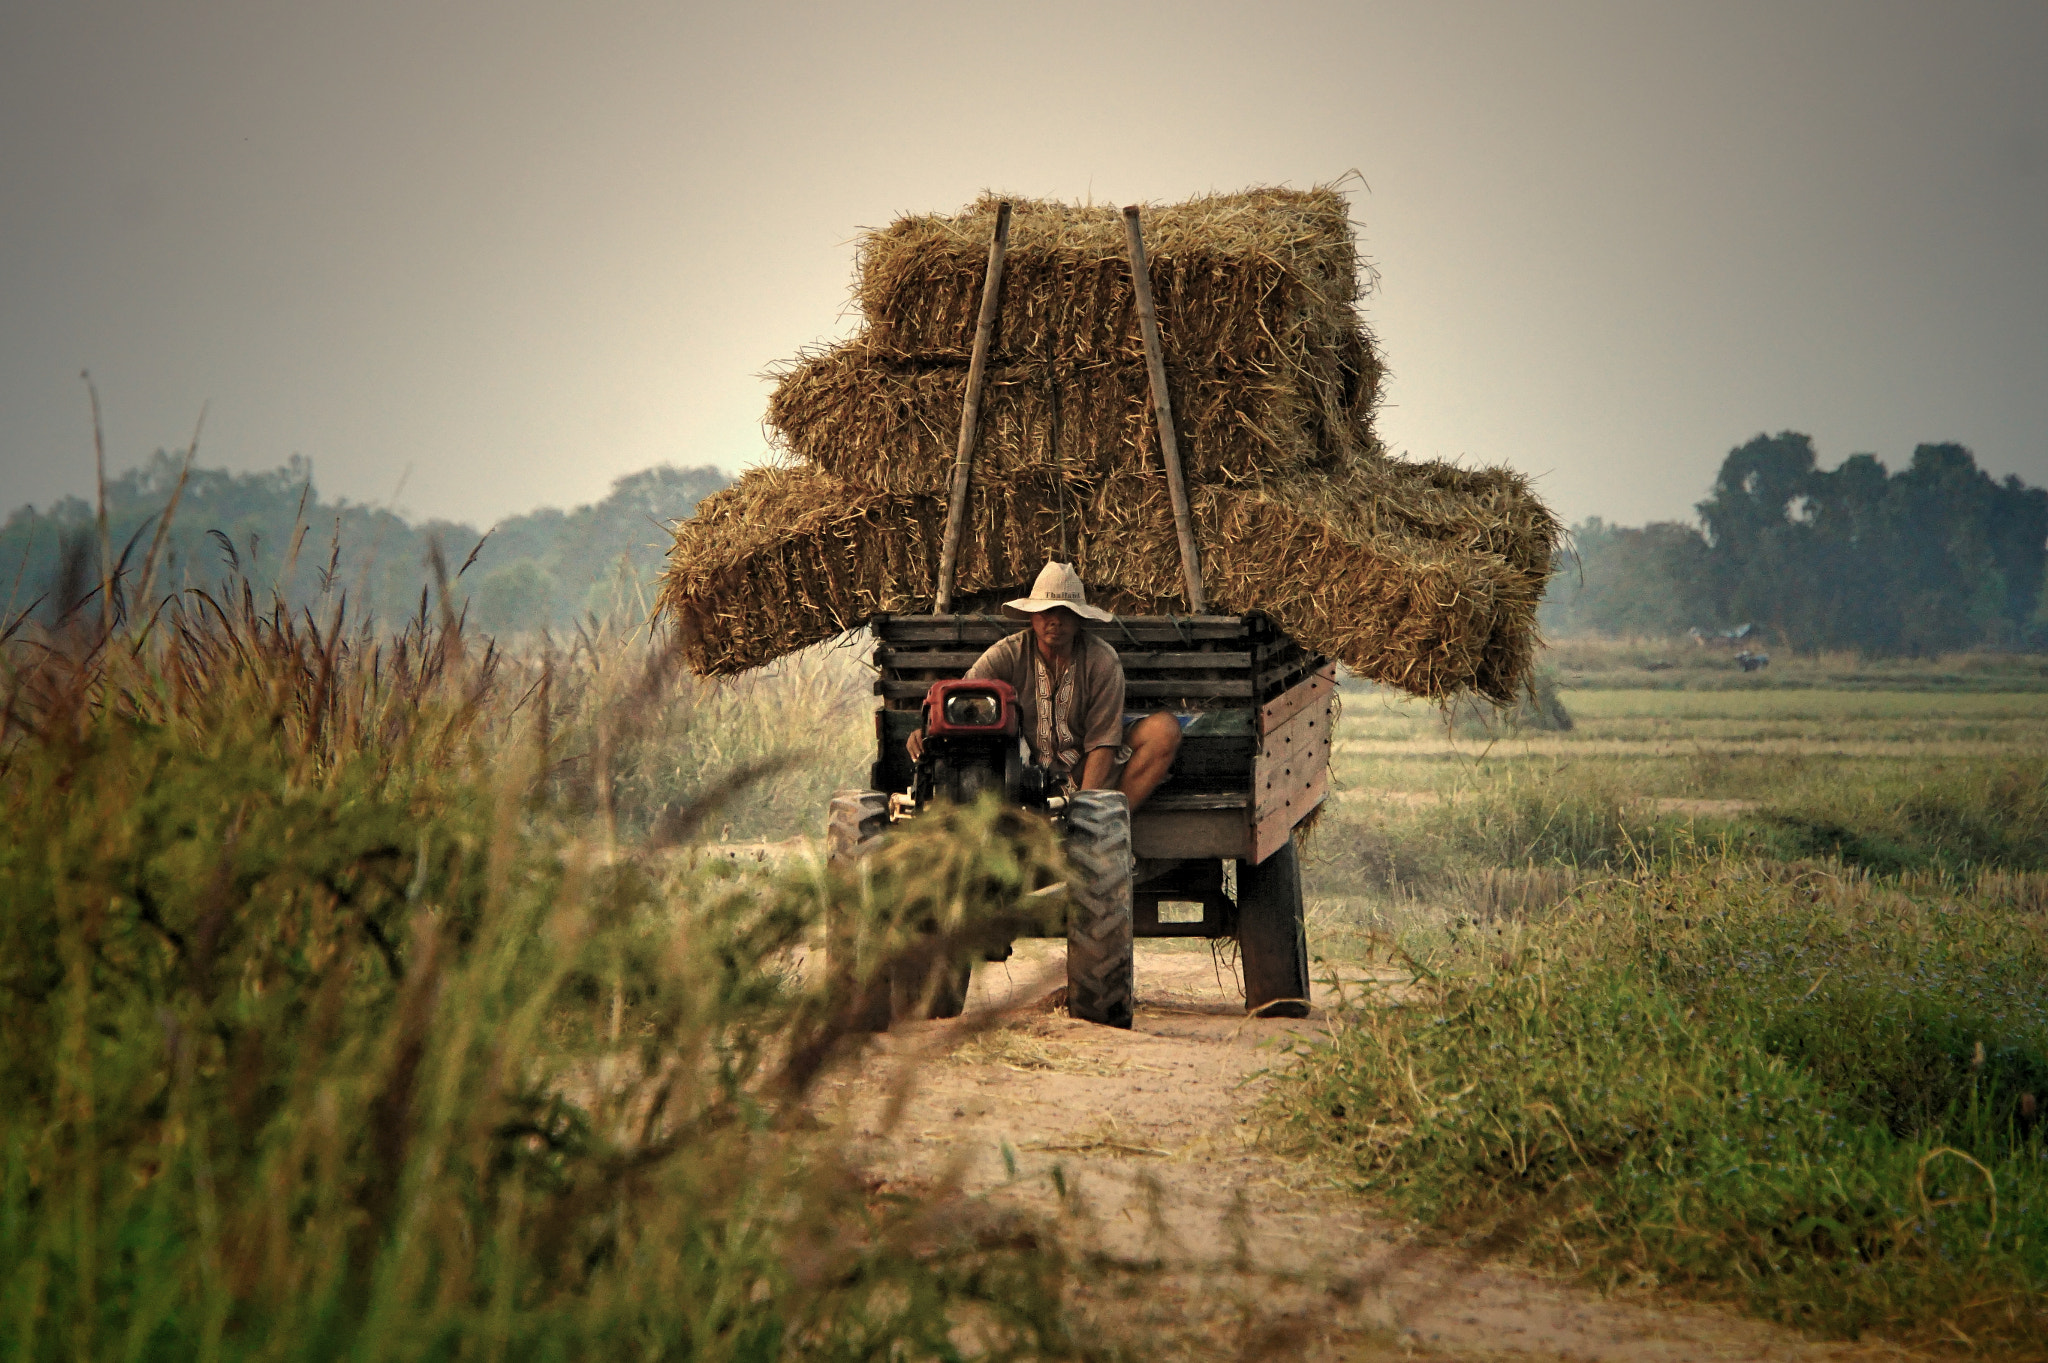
(359, 1003)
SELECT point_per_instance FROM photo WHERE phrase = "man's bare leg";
(1154, 741)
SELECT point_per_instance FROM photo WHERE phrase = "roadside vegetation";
(377, 993)
(1738, 991)
(1815, 1095)
(371, 998)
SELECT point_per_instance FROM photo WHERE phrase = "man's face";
(1055, 629)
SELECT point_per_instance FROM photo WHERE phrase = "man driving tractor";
(1070, 695)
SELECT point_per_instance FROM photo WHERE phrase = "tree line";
(544, 570)
(1934, 557)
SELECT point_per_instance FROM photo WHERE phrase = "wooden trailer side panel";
(1291, 770)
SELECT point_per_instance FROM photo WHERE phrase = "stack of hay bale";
(1421, 575)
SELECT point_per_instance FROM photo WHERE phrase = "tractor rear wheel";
(853, 828)
(1272, 943)
(1100, 987)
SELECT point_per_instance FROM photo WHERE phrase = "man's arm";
(1099, 770)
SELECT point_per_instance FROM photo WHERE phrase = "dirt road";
(1192, 1235)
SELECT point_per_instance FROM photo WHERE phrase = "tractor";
(1211, 854)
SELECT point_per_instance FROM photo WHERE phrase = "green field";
(1664, 664)
(1737, 984)
(1884, 780)
(1745, 745)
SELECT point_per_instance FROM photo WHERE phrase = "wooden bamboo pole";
(1162, 410)
(963, 457)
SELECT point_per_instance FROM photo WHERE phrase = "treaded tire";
(1099, 981)
(853, 828)
(1272, 943)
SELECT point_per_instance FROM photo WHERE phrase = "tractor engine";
(974, 745)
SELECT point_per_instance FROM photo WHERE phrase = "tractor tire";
(1272, 944)
(853, 829)
(1100, 986)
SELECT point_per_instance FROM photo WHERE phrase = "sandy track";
(1192, 1236)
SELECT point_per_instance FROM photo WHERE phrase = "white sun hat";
(1057, 585)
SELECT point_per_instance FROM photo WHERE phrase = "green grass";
(1765, 1090)
(362, 999)
(1884, 780)
(1742, 991)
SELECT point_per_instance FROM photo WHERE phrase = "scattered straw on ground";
(1027, 1051)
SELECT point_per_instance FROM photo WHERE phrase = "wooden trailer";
(1213, 848)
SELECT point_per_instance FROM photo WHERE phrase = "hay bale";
(1490, 511)
(895, 426)
(789, 557)
(1430, 616)
(1423, 576)
(1255, 281)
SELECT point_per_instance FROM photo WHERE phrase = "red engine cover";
(971, 709)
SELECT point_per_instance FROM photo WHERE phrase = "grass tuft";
(1813, 1095)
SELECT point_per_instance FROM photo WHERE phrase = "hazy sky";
(505, 253)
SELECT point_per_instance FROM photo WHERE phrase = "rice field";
(1747, 745)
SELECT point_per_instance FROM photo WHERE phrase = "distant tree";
(1938, 556)
(1758, 520)
(541, 568)
(1935, 557)
(272, 527)
(1624, 581)
(608, 552)
(518, 597)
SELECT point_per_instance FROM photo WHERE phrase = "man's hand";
(916, 745)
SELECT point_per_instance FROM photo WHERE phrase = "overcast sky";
(497, 254)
